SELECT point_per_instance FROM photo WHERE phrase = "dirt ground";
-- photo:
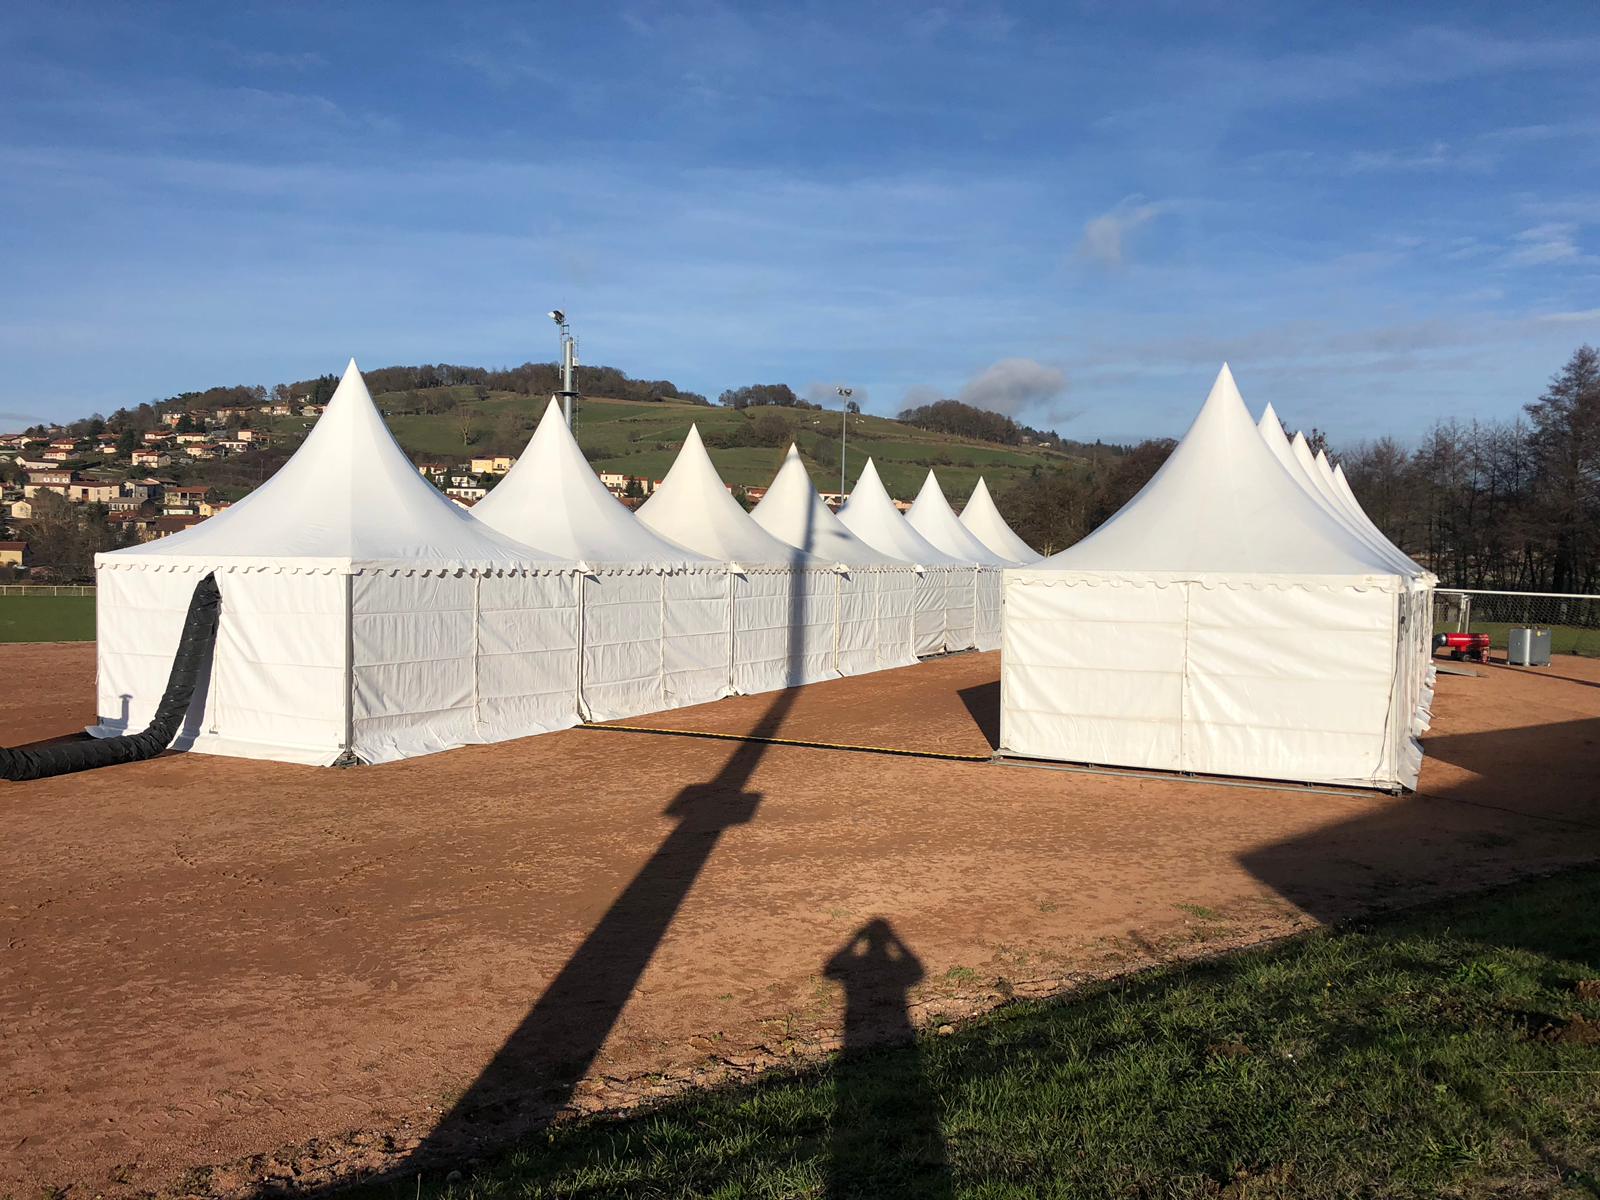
(218, 975)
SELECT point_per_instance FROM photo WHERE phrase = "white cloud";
(1552, 242)
(1105, 237)
(1578, 317)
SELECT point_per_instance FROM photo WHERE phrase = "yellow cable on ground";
(772, 741)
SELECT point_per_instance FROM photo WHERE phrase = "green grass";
(46, 618)
(1437, 1054)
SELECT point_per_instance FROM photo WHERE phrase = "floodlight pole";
(569, 359)
(844, 425)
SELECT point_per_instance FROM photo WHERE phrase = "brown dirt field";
(216, 974)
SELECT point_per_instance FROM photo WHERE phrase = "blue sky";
(1380, 214)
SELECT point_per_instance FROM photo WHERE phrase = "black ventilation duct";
(194, 652)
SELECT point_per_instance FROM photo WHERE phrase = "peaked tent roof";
(932, 517)
(348, 497)
(693, 508)
(792, 512)
(1296, 459)
(1339, 489)
(552, 499)
(984, 521)
(871, 515)
(1223, 504)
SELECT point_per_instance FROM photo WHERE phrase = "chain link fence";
(1573, 620)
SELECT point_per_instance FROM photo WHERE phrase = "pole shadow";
(887, 1138)
(536, 1071)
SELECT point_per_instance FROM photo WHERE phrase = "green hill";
(641, 438)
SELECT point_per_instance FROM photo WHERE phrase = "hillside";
(641, 438)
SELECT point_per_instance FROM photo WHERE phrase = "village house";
(155, 437)
(472, 492)
(13, 554)
(233, 445)
(172, 417)
(190, 439)
(251, 435)
(497, 465)
(21, 510)
(183, 501)
(150, 458)
(92, 491)
(58, 456)
(34, 464)
(50, 480)
(167, 526)
(433, 471)
(200, 453)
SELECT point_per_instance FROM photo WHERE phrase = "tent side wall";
(961, 607)
(623, 617)
(1302, 680)
(696, 636)
(275, 689)
(929, 612)
(991, 600)
(525, 661)
(896, 601)
(785, 628)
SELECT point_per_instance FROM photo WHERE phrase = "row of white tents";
(367, 617)
(1240, 616)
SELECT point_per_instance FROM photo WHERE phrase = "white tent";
(877, 592)
(1222, 622)
(983, 519)
(783, 602)
(943, 582)
(932, 517)
(654, 615)
(363, 614)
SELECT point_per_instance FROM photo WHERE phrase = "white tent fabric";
(362, 613)
(932, 517)
(1312, 474)
(783, 601)
(983, 519)
(876, 590)
(654, 615)
(1222, 622)
(943, 582)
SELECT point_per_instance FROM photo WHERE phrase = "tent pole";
(347, 756)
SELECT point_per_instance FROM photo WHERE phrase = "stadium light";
(569, 359)
(844, 420)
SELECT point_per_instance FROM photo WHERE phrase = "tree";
(1566, 447)
(771, 429)
(467, 424)
(128, 440)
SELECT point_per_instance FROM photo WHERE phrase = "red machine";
(1474, 646)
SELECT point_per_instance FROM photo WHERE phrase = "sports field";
(224, 975)
(46, 618)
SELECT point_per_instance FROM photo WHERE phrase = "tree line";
(1504, 505)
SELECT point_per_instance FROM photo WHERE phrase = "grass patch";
(46, 618)
(1449, 1052)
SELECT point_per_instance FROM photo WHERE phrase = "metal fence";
(1573, 620)
(46, 589)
